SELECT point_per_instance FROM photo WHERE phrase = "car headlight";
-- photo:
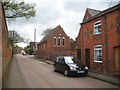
(72, 68)
(86, 67)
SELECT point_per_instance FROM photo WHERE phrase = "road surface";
(26, 72)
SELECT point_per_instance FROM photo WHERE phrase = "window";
(55, 41)
(63, 41)
(97, 27)
(59, 39)
(98, 53)
(43, 46)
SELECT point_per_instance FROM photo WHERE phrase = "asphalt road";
(27, 72)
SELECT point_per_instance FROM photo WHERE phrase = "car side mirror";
(62, 62)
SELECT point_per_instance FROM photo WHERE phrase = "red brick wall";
(6, 51)
(41, 53)
(90, 40)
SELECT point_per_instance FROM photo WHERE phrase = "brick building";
(55, 43)
(6, 48)
(33, 46)
(99, 40)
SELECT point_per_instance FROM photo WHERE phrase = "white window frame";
(96, 31)
(54, 41)
(98, 53)
(58, 41)
(64, 41)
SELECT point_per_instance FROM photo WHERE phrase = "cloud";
(50, 13)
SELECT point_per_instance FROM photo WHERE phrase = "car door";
(59, 64)
(56, 63)
(62, 64)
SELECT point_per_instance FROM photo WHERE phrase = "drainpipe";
(106, 44)
(82, 45)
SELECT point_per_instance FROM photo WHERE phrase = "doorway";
(87, 57)
(79, 54)
(117, 59)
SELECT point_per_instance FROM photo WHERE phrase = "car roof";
(63, 56)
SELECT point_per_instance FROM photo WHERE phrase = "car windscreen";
(68, 60)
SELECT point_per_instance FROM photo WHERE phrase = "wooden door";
(87, 57)
(117, 59)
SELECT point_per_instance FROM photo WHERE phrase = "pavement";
(13, 77)
(104, 77)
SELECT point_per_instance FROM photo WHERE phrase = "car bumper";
(78, 73)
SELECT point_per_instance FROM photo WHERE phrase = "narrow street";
(27, 72)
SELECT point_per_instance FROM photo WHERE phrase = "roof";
(93, 12)
(50, 32)
(103, 12)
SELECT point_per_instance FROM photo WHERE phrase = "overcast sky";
(51, 13)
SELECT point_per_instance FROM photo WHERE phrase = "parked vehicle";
(23, 52)
(70, 66)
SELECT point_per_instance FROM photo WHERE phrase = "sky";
(51, 13)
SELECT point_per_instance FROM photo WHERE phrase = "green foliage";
(14, 37)
(29, 50)
(14, 9)
(17, 49)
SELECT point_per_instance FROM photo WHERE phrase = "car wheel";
(66, 72)
(54, 68)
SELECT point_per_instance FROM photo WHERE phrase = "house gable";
(90, 13)
(51, 32)
(58, 34)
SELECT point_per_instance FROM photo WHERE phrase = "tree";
(29, 50)
(14, 37)
(17, 49)
(45, 32)
(27, 41)
(14, 9)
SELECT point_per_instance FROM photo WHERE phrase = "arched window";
(63, 41)
(55, 41)
(59, 39)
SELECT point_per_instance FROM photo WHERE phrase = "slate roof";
(93, 12)
(102, 12)
(49, 34)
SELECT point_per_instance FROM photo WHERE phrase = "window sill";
(98, 61)
(97, 34)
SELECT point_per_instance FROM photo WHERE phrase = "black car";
(70, 66)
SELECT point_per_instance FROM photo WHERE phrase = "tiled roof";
(93, 12)
(103, 12)
(49, 33)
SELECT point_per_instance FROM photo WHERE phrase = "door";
(117, 59)
(87, 57)
(62, 64)
(79, 54)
